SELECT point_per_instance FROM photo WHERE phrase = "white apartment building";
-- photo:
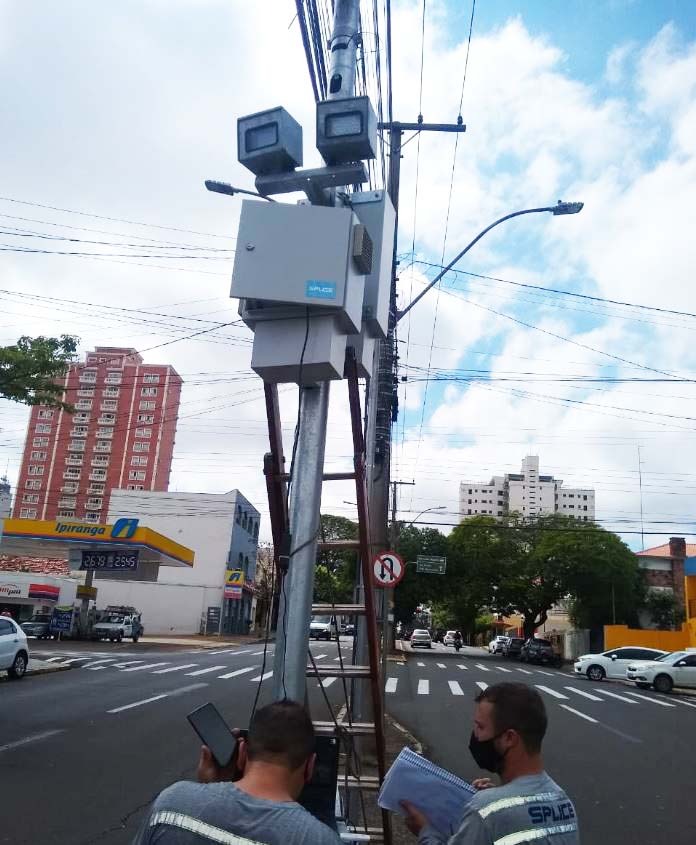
(526, 493)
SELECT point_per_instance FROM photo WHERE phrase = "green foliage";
(665, 610)
(417, 588)
(335, 573)
(30, 370)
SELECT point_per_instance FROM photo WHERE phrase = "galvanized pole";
(292, 636)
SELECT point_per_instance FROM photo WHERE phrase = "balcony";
(96, 490)
(102, 447)
(100, 462)
(111, 392)
(84, 405)
(66, 503)
(95, 504)
(97, 475)
(74, 460)
(88, 378)
(108, 406)
(78, 432)
(69, 488)
(112, 380)
(105, 420)
(71, 475)
(77, 446)
(105, 432)
(89, 392)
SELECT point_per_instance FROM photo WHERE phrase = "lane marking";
(390, 686)
(337, 659)
(524, 671)
(578, 713)
(171, 694)
(95, 668)
(584, 694)
(256, 653)
(455, 689)
(27, 739)
(651, 700)
(551, 692)
(145, 666)
(440, 665)
(222, 651)
(126, 663)
(614, 695)
(325, 682)
(175, 668)
(550, 674)
(482, 668)
(97, 662)
(482, 685)
(685, 703)
(423, 687)
(204, 671)
(261, 677)
(138, 703)
(503, 669)
(420, 664)
(462, 666)
(50, 659)
(239, 672)
(317, 656)
(75, 660)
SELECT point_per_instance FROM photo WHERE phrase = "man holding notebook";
(509, 726)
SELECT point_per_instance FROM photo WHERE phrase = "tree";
(417, 588)
(264, 585)
(665, 610)
(31, 369)
(334, 576)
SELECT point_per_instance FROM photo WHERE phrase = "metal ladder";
(350, 780)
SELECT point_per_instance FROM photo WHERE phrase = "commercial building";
(525, 493)
(222, 530)
(121, 435)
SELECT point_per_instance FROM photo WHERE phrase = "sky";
(115, 114)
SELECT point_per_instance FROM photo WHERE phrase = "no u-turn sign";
(388, 569)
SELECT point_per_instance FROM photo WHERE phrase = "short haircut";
(281, 733)
(519, 707)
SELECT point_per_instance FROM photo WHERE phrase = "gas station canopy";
(122, 549)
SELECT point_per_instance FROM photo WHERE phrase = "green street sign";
(431, 565)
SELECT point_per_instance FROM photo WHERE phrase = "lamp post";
(560, 209)
(427, 510)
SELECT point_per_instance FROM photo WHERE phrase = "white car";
(322, 628)
(448, 639)
(14, 652)
(677, 669)
(495, 646)
(420, 637)
(613, 663)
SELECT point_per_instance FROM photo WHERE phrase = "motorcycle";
(457, 645)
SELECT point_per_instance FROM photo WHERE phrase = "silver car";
(421, 638)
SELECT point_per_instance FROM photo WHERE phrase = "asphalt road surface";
(625, 756)
(84, 752)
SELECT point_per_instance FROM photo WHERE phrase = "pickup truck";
(117, 623)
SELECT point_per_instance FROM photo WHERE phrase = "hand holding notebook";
(439, 794)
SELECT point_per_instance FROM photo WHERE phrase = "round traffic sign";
(388, 569)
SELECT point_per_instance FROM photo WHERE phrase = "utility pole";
(292, 640)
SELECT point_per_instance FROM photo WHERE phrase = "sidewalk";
(38, 667)
(198, 640)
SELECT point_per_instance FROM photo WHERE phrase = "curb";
(47, 670)
(410, 738)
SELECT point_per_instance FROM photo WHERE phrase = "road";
(88, 749)
(623, 755)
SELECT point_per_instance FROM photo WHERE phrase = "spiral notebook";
(439, 794)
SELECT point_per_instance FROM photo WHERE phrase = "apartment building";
(526, 493)
(121, 435)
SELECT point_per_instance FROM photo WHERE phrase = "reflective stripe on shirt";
(535, 833)
(518, 801)
(214, 834)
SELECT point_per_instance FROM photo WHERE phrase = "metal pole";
(640, 485)
(292, 635)
(297, 586)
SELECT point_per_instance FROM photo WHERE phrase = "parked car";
(536, 650)
(513, 646)
(421, 638)
(613, 663)
(322, 628)
(14, 651)
(448, 639)
(38, 626)
(350, 630)
(495, 646)
(677, 669)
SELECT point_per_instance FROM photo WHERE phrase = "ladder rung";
(339, 609)
(349, 671)
(338, 545)
(356, 729)
(375, 834)
(365, 782)
(327, 476)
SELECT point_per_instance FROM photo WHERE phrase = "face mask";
(485, 753)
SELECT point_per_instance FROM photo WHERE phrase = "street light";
(427, 510)
(561, 208)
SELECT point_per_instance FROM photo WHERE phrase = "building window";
(109, 405)
(96, 488)
(30, 484)
(102, 446)
(27, 513)
(40, 441)
(584, 498)
(139, 461)
(111, 392)
(107, 418)
(148, 391)
(143, 432)
(584, 507)
(238, 517)
(113, 377)
(64, 514)
(43, 428)
(38, 456)
(147, 405)
(136, 475)
(135, 487)
(146, 418)
(92, 516)
(470, 492)
(86, 391)
(45, 414)
(256, 529)
(141, 446)
(36, 470)
(151, 378)
(31, 498)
